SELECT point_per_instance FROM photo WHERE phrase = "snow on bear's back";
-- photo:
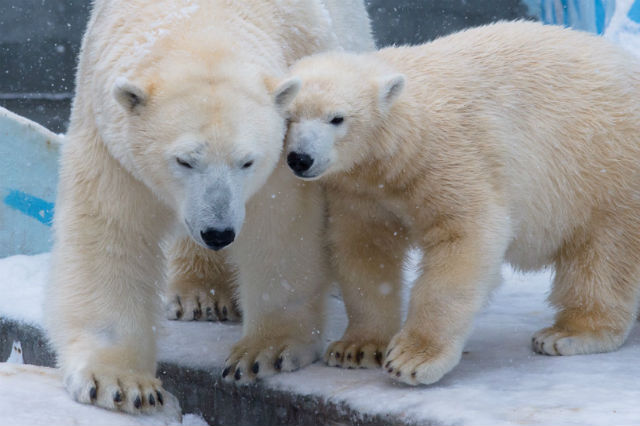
(143, 27)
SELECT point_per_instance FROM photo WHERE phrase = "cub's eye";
(184, 163)
(247, 165)
(337, 120)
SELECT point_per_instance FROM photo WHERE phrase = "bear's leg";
(103, 297)
(282, 317)
(596, 289)
(461, 265)
(200, 283)
(283, 280)
(369, 246)
(282, 306)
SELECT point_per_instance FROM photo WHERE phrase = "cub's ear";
(286, 92)
(389, 88)
(129, 95)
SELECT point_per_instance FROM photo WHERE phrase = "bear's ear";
(128, 94)
(389, 88)
(286, 92)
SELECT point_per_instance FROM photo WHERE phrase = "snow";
(499, 380)
(181, 11)
(31, 395)
(21, 282)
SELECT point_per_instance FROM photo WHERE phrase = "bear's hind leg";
(201, 284)
(596, 289)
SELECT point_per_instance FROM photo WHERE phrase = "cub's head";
(204, 135)
(342, 101)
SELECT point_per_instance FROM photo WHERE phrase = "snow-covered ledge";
(499, 380)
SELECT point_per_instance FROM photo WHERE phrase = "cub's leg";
(200, 283)
(461, 265)
(596, 291)
(369, 247)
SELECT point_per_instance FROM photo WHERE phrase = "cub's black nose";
(299, 162)
(216, 239)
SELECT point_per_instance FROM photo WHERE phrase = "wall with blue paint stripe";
(33, 207)
(28, 179)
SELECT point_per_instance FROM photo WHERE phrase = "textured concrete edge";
(203, 392)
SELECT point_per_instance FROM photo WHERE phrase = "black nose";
(216, 239)
(299, 162)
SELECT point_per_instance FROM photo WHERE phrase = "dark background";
(40, 39)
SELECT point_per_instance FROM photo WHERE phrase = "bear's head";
(342, 102)
(204, 135)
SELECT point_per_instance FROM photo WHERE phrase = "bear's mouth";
(304, 166)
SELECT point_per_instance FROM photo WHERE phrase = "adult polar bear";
(176, 119)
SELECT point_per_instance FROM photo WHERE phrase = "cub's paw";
(557, 341)
(202, 304)
(116, 390)
(355, 354)
(257, 358)
(413, 360)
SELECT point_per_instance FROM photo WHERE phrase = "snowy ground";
(34, 396)
(499, 381)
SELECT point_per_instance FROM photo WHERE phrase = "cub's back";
(555, 111)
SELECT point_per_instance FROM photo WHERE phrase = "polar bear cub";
(511, 142)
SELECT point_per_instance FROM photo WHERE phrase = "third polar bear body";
(177, 119)
(515, 142)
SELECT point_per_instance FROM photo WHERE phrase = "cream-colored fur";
(515, 142)
(201, 283)
(177, 123)
(195, 287)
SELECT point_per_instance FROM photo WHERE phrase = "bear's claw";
(115, 392)
(556, 341)
(414, 362)
(253, 359)
(355, 354)
(201, 306)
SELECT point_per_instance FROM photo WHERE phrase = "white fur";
(173, 153)
(515, 141)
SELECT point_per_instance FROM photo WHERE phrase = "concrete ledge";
(35, 349)
(499, 379)
(203, 392)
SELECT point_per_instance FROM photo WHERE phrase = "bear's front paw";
(201, 304)
(116, 390)
(413, 360)
(557, 341)
(355, 354)
(256, 358)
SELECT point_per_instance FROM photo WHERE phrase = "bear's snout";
(299, 163)
(216, 239)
